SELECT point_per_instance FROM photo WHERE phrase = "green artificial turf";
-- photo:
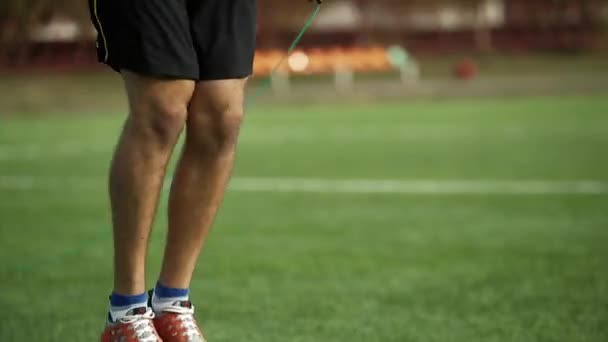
(335, 266)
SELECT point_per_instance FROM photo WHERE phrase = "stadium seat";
(328, 60)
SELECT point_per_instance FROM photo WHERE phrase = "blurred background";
(416, 171)
(369, 40)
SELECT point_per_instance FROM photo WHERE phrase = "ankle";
(165, 296)
(124, 305)
(164, 291)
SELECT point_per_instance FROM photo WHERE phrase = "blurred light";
(62, 30)
(493, 12)
(339, 15)
(398, 56)
(298, 61)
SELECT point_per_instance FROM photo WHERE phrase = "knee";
(214, 129)
(160, 121)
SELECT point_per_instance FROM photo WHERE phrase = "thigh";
(152, 96)
(223, 33)
(150, 37)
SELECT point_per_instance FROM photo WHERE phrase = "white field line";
(288, 133)
(271, 137)
(281, 134)
(36, 152)
(344, 186)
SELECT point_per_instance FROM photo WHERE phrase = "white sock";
(121, 306)
(159, 304)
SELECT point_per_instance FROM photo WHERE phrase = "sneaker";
(136, 326)
(177, 324)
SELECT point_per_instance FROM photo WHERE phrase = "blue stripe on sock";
(162, 291)
(117, 300)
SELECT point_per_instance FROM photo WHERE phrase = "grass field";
(455, 220)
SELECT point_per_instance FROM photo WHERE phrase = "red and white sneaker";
(176, 323)
(136, 326)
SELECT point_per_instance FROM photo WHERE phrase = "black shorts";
(183, 39)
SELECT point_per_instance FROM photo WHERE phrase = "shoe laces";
(186, 317)
(142, 326)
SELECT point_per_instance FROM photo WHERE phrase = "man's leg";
(158, 111)
(214, 118)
